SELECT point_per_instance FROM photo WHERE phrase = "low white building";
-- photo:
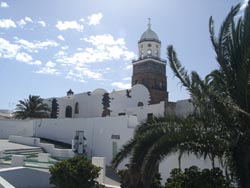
(5, 114)
(100, 103)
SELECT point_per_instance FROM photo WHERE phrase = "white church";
(148, 96)
(107, 119)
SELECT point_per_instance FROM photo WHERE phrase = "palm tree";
(229, 90)
(33, 107)
(219, 126)
(232, 48)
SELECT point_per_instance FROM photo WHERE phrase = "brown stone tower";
(150, 69)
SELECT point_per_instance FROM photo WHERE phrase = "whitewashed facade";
(134, 101)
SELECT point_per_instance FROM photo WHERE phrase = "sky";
(48, 47)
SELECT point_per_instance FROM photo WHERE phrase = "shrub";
(76, 172)
(194, 178)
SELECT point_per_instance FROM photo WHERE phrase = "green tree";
(76, 172)
(54, 108)
(125, 181)
(193, 177)
(33, 107)
(219, 126)
(228, 93)
(106, 105)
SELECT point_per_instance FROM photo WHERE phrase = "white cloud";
(24, 21)
(60, 53)
(23, 57)
(37, 62)
(50, 64)
(26, 58)
(49, 68)
(34, 46)
(105, 47)
(120, 85)
(69, 25)
(105, 39)
(4, 5)
(28, 19)
(42, 23)
(100, 48)
(60, 37)
(13, 51)
(88, 73)
(7, 23)
(128, 67)
(95, 19)
(65, 47)
(127, 79)
(81, 73)
(7, 49)
(75, 77)
(21, 23)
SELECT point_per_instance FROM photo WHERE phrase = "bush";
(194, 178)
(76, 172)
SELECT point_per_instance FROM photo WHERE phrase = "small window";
(141, 46)
(122, 114)
(77, 108)
(68, 112)
(156, 45)
(114, 148)
(150, 116)
(140, 104)
(149, 45)
(115, 136)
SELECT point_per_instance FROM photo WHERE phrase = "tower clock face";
(149, 52)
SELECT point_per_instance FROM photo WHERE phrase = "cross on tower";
(149, 23)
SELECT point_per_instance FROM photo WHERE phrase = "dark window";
(150, 116)
(68, 112)
(115, 136)
(140, 104)
(122, 114)
(77, 108)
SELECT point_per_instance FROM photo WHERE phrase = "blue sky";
(48, 47)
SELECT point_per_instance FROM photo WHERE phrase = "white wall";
(120, 101)
(15, 127)
(184, 107)
(98, 132)
(142, 112)
(90, 104)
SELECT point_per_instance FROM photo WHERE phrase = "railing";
(149, 57)
(151, 40)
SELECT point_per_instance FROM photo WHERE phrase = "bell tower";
(149, 69)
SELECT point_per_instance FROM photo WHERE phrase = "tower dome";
(149, 35)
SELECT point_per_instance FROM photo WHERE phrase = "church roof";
(149, 35)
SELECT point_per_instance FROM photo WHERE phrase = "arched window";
(77, 108)
(140, 104)
(68, 112)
